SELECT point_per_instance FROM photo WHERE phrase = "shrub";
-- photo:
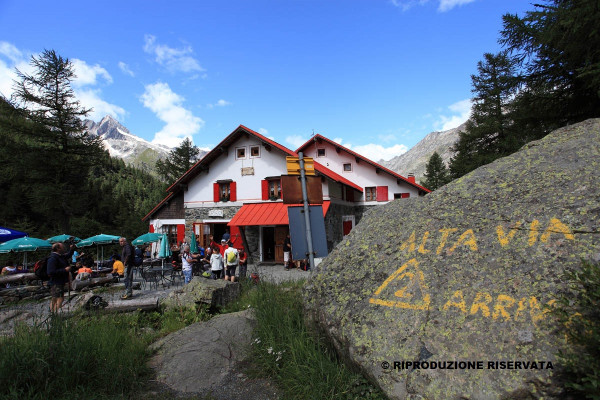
(578, 310)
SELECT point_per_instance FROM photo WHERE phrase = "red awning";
(265, 214)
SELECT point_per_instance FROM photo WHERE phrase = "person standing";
(287, 251)
(127, 257)
(243, 262)
(216, 263)
(231, 263)
(58, 271)
(186, 264)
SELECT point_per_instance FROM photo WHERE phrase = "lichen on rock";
(467, 274)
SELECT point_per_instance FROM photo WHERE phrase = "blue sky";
(375, 75)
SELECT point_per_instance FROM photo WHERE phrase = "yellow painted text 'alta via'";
(412, 291)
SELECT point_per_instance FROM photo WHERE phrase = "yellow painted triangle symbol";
(411, 281)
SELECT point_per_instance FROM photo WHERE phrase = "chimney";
(411, 177)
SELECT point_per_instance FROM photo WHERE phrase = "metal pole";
(311, 255)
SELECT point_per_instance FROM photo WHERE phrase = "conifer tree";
(436, 173)
(63, 151)
(489, 133)
(179, 160)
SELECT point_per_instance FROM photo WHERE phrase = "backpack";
(138, 260)
(40, 269)
(231, 257)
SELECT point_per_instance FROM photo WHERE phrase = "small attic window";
(240, 153)
(254, 151)
(348, 167)
(320, 152)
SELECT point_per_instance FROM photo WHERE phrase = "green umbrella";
(99, 240)
(165, 249)
(146, 238)
(193, 244)
(24, 245)
(63, 238)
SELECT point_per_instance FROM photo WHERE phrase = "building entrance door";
(268, 243)
(280, 234)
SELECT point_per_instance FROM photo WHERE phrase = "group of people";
(222, 260)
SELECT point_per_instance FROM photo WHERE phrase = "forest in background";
(55, 177)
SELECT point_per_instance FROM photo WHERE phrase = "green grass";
(301, 362)
(104, 356)
(90, 358)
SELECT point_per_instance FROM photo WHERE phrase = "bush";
(578, 310)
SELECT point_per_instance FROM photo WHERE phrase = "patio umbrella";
(146, 238)
(165, 249)
(24, 245)
(63, 238)
(7, 234)
(99, 241)
(193, 244)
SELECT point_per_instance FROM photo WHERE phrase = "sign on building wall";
(247, 171)
(215, 213)
(298, 232)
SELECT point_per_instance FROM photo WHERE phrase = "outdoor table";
(164, 273)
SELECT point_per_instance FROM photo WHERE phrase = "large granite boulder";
(200, 290)
(459, 280)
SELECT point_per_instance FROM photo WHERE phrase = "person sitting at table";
(118, 266)
(9, 269)
(84, 273)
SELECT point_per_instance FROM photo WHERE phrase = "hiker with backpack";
(128, 258)
(231, 263)
(58, 271)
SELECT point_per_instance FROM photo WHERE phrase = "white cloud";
(88, 74)
(167, 105)
(220, 103)
(460, 111)
(11, 58)
(173, 59)
(376, 152)
(90, 98)
(447, 5)
(263, 131)
(295, 140)
(125, 69)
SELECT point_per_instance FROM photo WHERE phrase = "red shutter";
(151, 228)
(216, 192)
(180, 233)
(405, 195)
(232, 191)
(264, 184)
(382, 193)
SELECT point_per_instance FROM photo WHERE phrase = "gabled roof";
(373, 163)
(159, 205)
(232, 137)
